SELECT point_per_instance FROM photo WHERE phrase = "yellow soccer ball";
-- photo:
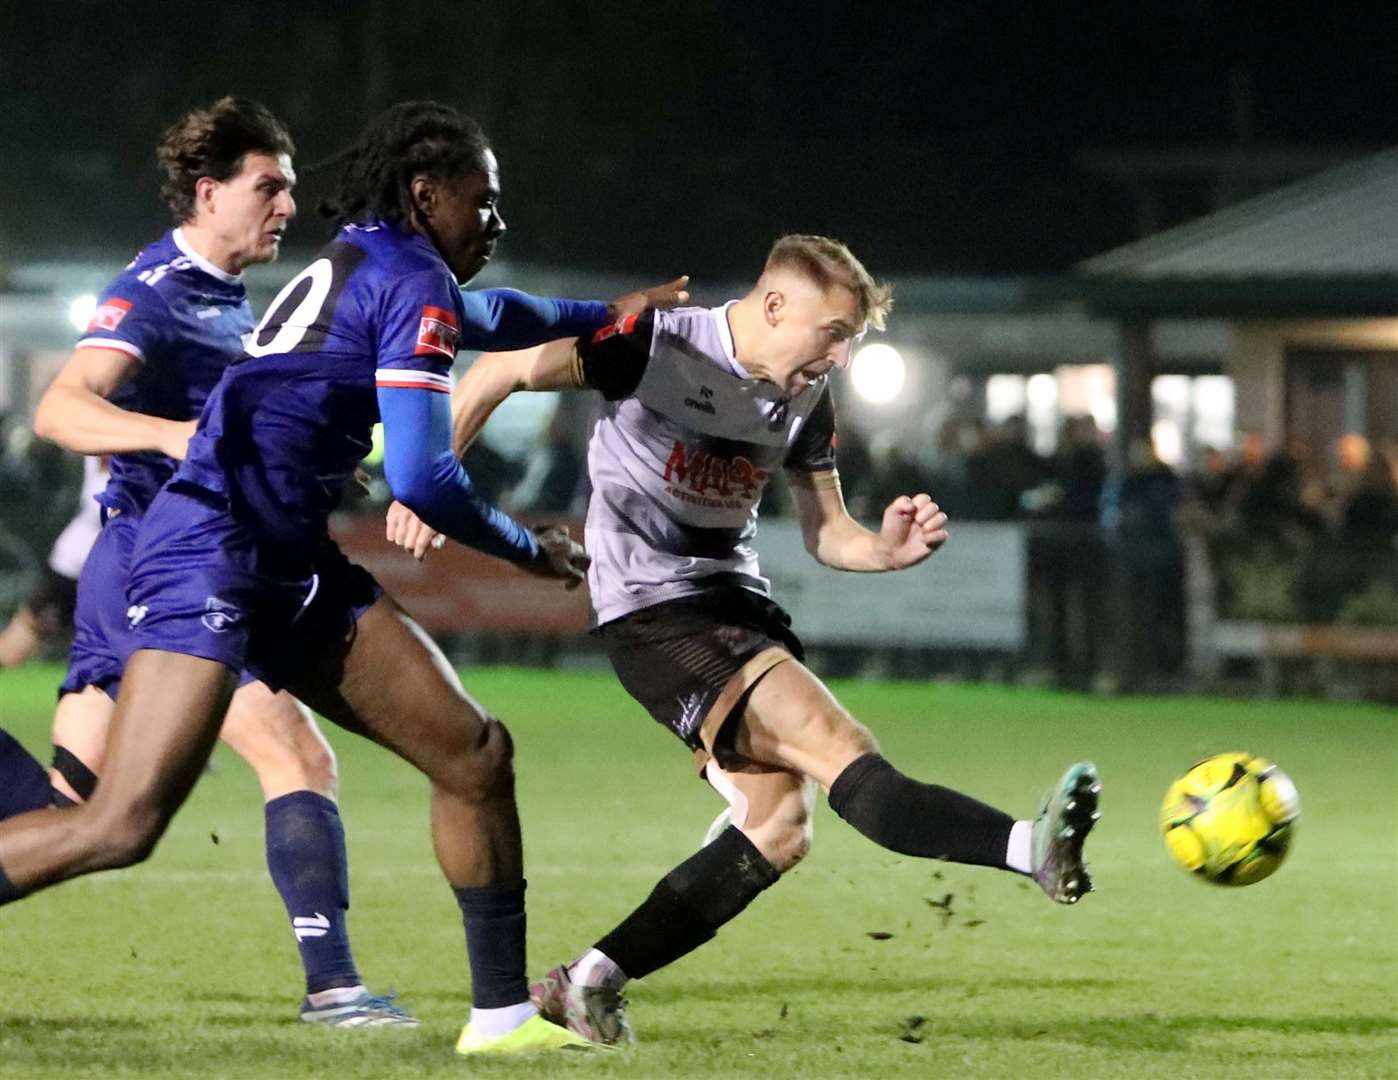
(1230, 819)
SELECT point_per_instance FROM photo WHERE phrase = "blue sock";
(310, 868)
(24, 783)
(494, 916)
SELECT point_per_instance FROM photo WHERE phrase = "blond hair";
(827, 263)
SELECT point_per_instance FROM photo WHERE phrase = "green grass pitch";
(861, 964)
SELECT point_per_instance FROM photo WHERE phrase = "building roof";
(1342, 223)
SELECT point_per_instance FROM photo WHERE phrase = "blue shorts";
(202, 585)
(102, 636)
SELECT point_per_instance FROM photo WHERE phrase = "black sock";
(494, 916)
(913, 818)
(688, 905)
(7, 891)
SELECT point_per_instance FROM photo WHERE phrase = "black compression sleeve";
(615, 357)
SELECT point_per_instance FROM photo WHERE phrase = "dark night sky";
(942, 136)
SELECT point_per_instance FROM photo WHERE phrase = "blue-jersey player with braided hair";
(234, 567)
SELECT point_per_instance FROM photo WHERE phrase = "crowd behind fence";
(1119, 561)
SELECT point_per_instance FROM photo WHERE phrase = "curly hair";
(828, 262)
(412, 138)
(212, 142)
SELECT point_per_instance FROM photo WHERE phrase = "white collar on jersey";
(725, 337)
(203, 263)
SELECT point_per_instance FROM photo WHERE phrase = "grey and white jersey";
(681, 454)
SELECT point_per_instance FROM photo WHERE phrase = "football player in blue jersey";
(164, 330)
(233, 568)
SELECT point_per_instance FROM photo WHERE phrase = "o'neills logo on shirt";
(437, 332)
(704, 478)
(704, 403)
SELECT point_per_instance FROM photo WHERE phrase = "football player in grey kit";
(701, 407)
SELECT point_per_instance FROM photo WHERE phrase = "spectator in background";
(1066, 556)
(1003, 469)
(1141, 499)
(1242, 473)
(897, 467)
(1139, 504)
(1252, 455)
(1271, 509)
(957, 439)
(1371, 513)
(1079, 469)
(1350, 455)
(1298, 448)
(1212, 481)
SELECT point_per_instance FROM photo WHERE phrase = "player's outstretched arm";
(617, 365)
(75, 413)
(426, 477)
(496, 375)
(488, 382)
(913, 528)
(509, 319)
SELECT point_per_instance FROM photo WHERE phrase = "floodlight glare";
(1168, 440)
(81, 309)
(1041, 391)
(878, 373)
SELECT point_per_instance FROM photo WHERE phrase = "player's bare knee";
(783, 843)
(793, 845)
(483, 772)
(785, 837)
(800, 847)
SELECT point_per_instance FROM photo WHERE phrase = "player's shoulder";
(133, 280)
(692, 325)
(686, 323)
(390, 252)
(169, 273)
(694, 335)
(388, 262)
(131, 304)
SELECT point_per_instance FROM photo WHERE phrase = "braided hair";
(411, 139)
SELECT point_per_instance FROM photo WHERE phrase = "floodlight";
(81, 309)
(878, 373)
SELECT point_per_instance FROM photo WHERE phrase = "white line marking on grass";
(180, 877)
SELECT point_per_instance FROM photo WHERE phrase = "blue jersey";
(184, 319)
(290, 420)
